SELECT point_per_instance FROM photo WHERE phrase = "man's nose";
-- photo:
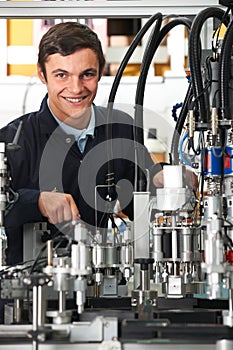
(75, 85)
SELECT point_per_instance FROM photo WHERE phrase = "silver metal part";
(175, 195)
(144, 303)
(214, 257)
(98, 330)
(32, 239)
(101, 9)
(141, 231)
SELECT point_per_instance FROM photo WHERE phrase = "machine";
(165, 280)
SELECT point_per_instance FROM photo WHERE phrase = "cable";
(111, 99)
(195, 57)
(196, 85)
(183, 159)
(153, 44)
(179, 126)
(225, 73)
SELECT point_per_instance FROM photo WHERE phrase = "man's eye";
(60, 75)
(88, 75)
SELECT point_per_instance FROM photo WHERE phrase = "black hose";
(138, 114)
(111, 99)
(195, 58)
(129, 53)
(150, 52)
(179, 127)
(180, 122)
(153, 44)
(225, 73)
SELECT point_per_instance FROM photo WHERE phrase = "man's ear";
(41, 74)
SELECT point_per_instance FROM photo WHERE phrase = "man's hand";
(158, 179)
(58, 207)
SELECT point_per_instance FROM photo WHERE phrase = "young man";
(61, 171)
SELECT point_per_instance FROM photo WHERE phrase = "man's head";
(70, 64)
(66, 38)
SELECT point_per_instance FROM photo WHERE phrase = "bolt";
(27, 281)
(41, 337)
(41, 281)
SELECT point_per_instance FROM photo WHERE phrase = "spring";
(230, 137)
(213, 185)
(211, 141)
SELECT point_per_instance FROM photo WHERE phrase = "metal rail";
(100, 9)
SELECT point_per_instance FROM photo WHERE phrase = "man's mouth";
(74, 100)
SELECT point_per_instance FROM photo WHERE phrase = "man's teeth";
(74, 99)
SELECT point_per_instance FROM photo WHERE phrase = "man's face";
(72, 83)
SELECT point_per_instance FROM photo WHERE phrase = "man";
(61, 171)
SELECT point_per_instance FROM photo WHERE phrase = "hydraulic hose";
(149, 53)
(130, 51)
(110, 176)
(140, 182)
(179, 126)
(225, 73)
(195, 58)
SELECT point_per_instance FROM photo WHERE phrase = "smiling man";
(61, 170)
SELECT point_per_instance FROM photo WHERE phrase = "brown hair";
(67, 37)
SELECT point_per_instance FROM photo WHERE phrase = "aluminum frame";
(100, 9)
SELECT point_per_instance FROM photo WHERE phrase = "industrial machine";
(164, 280)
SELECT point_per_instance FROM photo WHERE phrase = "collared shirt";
(79, 135)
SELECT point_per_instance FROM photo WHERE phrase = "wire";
(112, 95)
(195, 57)
(182, 157)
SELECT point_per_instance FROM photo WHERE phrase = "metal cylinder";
(61, 301)
(80, 259)
(126, 254)
(142, 298)
(112, 256)
(50, 252)
(145, 279)
(61, 280)
(212, 206)
(230, 208)
(224, 344)
(41, 306)
(18, 307)
(98, 256)
(174, 245)
(186, 244)
(80, 288)
(157, 251)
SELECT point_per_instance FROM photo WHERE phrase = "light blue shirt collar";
(79, 135)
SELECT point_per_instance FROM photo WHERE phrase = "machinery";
(166, 279)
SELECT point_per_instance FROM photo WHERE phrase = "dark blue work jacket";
(49, 159)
